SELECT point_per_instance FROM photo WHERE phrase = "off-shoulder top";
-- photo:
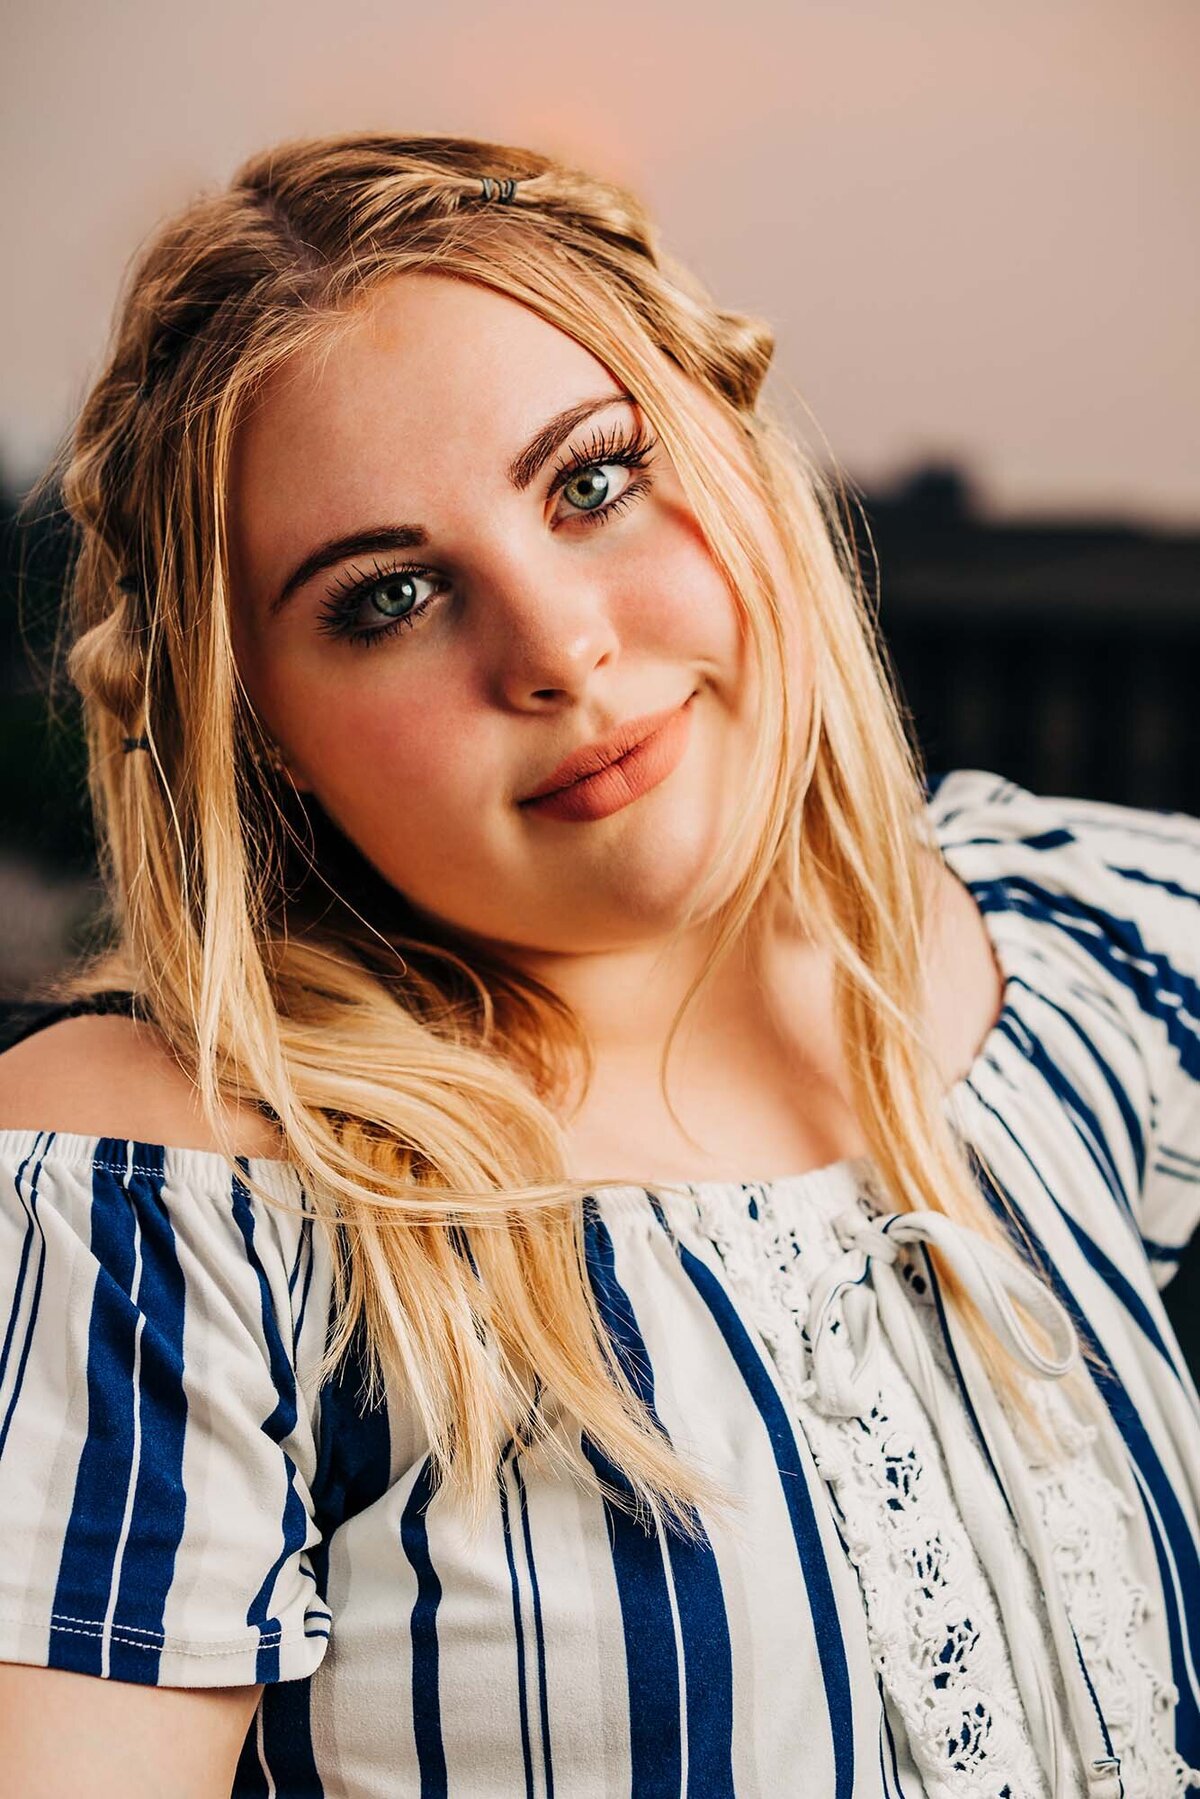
(907, 1604)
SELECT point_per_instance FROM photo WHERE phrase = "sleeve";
(1124, 882)
(1148, 866)
(155, 1452)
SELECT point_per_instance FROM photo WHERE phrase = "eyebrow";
(521, 471)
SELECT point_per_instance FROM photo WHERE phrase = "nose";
(549, 623)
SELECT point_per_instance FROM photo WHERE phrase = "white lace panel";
(933, 1625)
(1084, 1518)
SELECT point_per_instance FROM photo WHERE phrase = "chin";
(653, 901)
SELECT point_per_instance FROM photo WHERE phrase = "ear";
(283, 770)
(294, 778)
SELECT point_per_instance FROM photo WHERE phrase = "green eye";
(591, 487)
(586, 478)
(395, 596)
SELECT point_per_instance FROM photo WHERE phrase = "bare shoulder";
(113, 1076)
(966, 981)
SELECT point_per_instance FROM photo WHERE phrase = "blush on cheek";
(412, 765)
(389, 734)
(698, 610)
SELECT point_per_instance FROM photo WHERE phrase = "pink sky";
(973, 227)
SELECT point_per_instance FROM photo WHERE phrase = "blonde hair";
(413, 1075)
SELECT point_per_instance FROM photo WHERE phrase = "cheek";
(404, 752)
(677, 597)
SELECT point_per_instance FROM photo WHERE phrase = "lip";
(651, 757)
(606, 750)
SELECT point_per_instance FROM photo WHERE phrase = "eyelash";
(628, 450)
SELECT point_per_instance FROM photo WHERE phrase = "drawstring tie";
(846, 1312)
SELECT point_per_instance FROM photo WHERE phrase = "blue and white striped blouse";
(904, 1605)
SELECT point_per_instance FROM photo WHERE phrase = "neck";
(769, 994)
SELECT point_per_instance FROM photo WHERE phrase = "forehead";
(430, 362)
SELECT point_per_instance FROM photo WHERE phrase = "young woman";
(616, 1248)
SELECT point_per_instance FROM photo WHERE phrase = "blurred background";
(972, 227)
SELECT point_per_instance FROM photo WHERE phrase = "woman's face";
(429, 615)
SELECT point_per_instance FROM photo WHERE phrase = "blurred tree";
(42, 764)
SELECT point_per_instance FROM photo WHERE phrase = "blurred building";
(1066, 656)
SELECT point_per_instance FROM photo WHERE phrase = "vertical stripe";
(1178, 1565)
(354, 1452)
(426, 1697)
(277, 1754)
(272, 1789)
(304, 1252)
(353, 1470)
(947, 1336)
(539, 1633)
(1169, 1573)
(253, 1778)
(127, 1513)
(889, 1767)
(660, 1752)
(799, 1500)
(1175, 1544)
(1122, 1290)
(33, 1233)
(135, 1458)
(518, 1627)
(652, 1668)
(651, 1655)
(279, 1426)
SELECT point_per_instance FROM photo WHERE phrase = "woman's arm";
(130, 1630)
(65, 1734)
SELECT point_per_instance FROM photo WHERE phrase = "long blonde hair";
(414, 1076)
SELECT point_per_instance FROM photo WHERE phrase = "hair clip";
(135, 743)
(498, 190)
